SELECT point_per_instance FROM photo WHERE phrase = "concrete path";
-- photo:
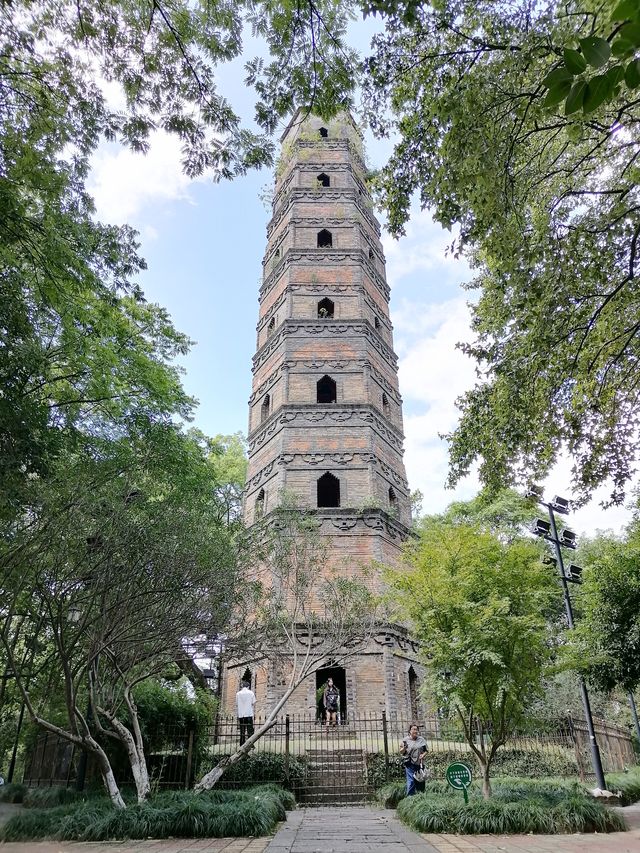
(358, 830)
(353, 829)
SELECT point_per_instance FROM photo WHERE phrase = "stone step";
(334, 752)
(330, 799)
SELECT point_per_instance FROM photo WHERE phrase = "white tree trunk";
(107, 774)
(213, 776)
(135, 754)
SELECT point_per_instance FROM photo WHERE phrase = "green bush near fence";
(12, 792)
(49, 798)
(517, 806)
(175, 814)
(530, 763)
(262, 767)
(628, 784)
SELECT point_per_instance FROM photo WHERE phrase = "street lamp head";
(541, 528)
(568, 539)
(548, 560)
(574, 573)
(561, 505)
(533, 491)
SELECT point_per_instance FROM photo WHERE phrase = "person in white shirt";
(245, 702)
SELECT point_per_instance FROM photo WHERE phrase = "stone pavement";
(359, 830)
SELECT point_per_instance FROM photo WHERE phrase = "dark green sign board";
(459, 777)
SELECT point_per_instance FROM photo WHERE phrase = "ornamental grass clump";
(47, 798)
(179, 814)
(516, 807)
(628, 784)
(13, 792)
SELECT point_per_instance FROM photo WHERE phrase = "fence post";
(385, 738)
(287, 731)
(187, 775)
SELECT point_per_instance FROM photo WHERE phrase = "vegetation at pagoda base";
(517, 129)
(483, 609)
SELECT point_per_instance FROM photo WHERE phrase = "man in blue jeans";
(413, 749)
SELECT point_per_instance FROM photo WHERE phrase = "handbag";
(422, 774)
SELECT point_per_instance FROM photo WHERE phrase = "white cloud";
(433, 373)
(124, 183)
(424, 247)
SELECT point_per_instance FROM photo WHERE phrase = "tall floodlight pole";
(549, 531)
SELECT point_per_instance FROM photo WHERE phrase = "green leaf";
(596, 51)
(599, 89)
(575, 97)
(575, 62)
(615, 75)
(557, 94)
(622, 48)
(557, 77)
(631, 32)
(632, 74)
(626, 9)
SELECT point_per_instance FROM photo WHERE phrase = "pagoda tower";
(325, 413)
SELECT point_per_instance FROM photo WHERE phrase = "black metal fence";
(347, 762)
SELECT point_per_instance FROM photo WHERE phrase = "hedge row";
(530, 763)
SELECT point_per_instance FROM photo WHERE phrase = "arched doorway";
(339, 676)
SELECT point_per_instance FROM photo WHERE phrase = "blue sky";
(204, 243)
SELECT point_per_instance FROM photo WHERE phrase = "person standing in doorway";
(413, 749)
(245, 704)
(331, 702)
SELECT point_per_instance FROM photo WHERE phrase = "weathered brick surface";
(358, 438)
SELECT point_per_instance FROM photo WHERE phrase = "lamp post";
(549, 531)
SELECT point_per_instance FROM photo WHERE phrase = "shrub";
(518, 806)
(627, 783)
(12, 793)
(182, 814)
(47, 798)
(263, 767)
(390, 795)
(508, 762)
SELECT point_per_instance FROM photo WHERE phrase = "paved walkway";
(359, 830)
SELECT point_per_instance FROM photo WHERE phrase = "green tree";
(123, 567)
(540, 179)
(605, 645)
(80, 349)
(481, 609)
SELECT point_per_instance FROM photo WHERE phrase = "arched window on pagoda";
(328, 490)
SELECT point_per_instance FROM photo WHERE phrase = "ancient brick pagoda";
(325, 413)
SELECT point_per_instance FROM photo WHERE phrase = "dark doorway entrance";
(340, 680)
(414, 686)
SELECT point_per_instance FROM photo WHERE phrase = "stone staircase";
(334, 777)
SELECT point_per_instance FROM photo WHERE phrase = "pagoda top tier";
(303, 123)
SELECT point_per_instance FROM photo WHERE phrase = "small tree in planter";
(298, 618)
(480, 606)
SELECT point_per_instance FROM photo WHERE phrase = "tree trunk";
(135, 752)
(107, 774)
(214, 775)
(486, 781)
